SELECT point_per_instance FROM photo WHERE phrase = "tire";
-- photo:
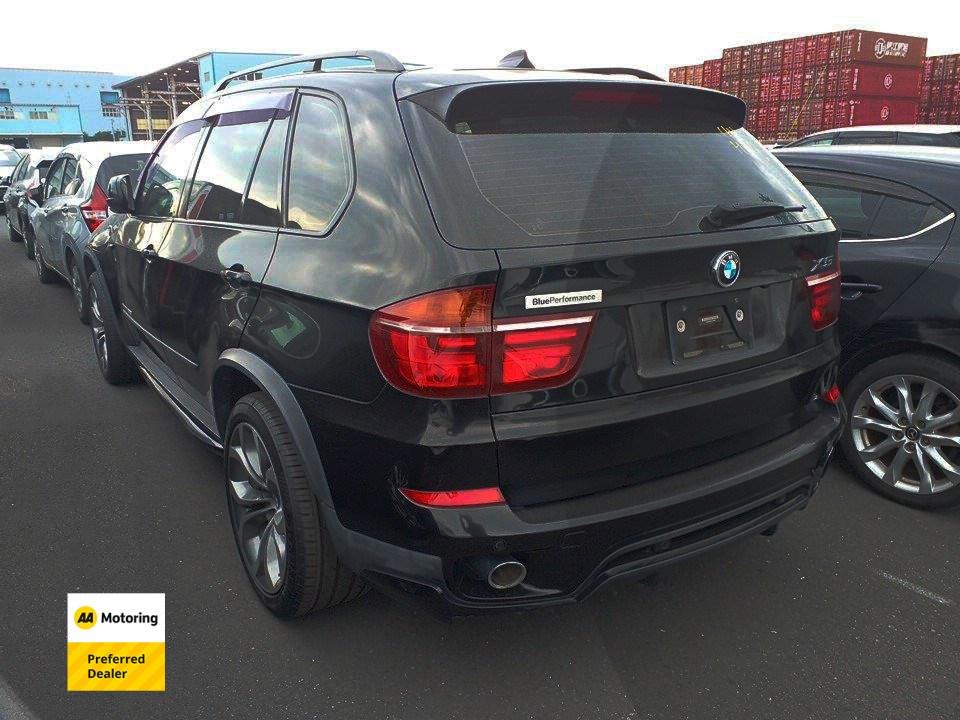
(285, 550)
(28, 243)
(44, 273)
(81, 298)
(907, 452)
(113, 359)
(12, 235)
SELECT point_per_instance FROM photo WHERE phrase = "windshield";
(9, 157)
(591, 166)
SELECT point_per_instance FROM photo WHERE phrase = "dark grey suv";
(492, 338)
(27, 179)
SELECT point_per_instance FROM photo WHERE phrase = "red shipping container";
(829, 114)
(878, 111)
(796, 84)
(730, 85)
(886, 48)
(752, 57)
(864, 80)
(823, 48)
(732, 58)
(789, 48)
(712, 73)
(810, 56)
(951, 65)
(767, 119)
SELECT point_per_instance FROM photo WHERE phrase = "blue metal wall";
(217, 65)
(70, 100)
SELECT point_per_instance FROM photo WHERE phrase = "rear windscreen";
(121, 165)
(545, 163)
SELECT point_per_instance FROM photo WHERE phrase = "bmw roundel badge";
(726, 268)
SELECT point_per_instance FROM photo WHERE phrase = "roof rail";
(635, 72)
(382, 62)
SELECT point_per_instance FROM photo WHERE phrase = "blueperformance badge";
(726, 268)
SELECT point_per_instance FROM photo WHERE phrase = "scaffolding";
(166, 103)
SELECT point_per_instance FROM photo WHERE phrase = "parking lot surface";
(850, 611)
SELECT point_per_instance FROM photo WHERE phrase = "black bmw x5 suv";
(490, 337)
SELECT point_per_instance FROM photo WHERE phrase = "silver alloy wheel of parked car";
(98, 329)
(257, 508)
(906, 430)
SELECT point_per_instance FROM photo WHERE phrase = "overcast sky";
(133, 38)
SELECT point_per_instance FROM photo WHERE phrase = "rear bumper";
(574, 547)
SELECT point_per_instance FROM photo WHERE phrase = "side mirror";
(119, 194)
(33, 182)
(33, 187)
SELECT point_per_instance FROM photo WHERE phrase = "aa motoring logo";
(86, 617)
(116, 641)
(890, 48)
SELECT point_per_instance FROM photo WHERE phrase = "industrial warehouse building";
(51, 108)
(152, 101)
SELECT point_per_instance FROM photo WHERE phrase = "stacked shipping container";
(801, 85)
(940, 90)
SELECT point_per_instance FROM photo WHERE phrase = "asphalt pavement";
(850, 611)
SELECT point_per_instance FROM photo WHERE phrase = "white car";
(927, 135)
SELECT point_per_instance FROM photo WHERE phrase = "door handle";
(150, 253)
(236, 275)
(855, 290)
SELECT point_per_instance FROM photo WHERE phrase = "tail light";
(95, 211)
(824, 291)
(446, 344)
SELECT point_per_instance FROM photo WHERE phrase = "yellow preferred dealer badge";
(116, 642)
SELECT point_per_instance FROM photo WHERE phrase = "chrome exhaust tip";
(500, 573)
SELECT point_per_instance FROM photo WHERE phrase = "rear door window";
(928, 139)
(262, 205)
(525, 164)
(869, 208)
(852, 208)
(320, 169)
(159, 195)
(900, 216)
(866, 139)
(819, 141)
(224, 168)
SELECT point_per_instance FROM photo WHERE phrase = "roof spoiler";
(382, 62)
(519, 59)
(635, 72)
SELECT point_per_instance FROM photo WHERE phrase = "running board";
(192, 426)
